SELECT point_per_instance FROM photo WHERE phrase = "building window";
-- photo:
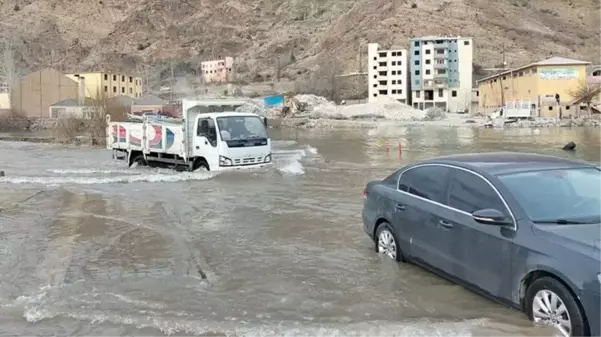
(466, 43)
(106, 77)
(454, 93)
(439, 51)
(439, 61)
(416, 52)
(375, 85)
(428, 51)
(383, 54)
(417, 73)
(416, 43)
(382, 64)
(416, 63)
(416, 82)
(114, 89)
(383, 92)
(382, 82)
(131, 79)
(394, 72)
(375, 76)
(477, 93)
(131, 90)
(114, 77)
(428, 61)
(440, 93)
(375, 95)
(393, 81)
(417, 93)
(382, 73)
(550, 108)
(375, 58)
(122, 78)
(441, 71)
(375, 67)
(394, 91)
(504, 78)
(122, 90)
(394, 63)
(427, 71)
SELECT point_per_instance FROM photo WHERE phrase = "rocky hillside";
(300, 35)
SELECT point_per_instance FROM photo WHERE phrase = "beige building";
(33, 94)
(4, 97)
(99, 84)
(217, 71)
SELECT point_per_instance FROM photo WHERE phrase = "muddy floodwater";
(90, 247)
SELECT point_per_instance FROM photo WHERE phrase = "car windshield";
(562, 196)
(241, 127)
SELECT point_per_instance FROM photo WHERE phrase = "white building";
(387, 74)
(441, 72)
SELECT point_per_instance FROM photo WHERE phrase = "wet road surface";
(88, 246)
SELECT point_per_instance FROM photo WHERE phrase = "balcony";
(441, 65)
(437, 84)
(444, 76)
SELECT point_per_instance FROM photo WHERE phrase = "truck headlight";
(267, 158)
(224, 161)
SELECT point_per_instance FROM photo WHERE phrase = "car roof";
(498, 163)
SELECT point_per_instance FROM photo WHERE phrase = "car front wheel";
(386, 242)
(549, 302)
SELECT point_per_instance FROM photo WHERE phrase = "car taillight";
(365, 193)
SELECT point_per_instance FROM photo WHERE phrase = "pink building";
(218, 70)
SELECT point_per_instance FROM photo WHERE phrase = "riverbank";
(452, 121)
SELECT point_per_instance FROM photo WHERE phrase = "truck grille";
(248, 161)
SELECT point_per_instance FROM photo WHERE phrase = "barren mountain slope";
(76, 35)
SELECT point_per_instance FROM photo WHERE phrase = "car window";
(569, 194)
(428, 182)
(469, 193)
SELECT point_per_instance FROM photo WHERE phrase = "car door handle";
(445, 224)
(400, 207)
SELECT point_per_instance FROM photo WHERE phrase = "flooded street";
(90, 247)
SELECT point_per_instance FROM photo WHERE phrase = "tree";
(585, 93)
(9, 71)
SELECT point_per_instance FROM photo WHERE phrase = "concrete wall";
(560, 79)
(512, 86)
(98, 84)
(32, 95)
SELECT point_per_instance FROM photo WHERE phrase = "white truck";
(210, 136)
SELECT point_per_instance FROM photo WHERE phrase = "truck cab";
(220, 139)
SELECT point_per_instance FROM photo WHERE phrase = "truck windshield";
(241, 128)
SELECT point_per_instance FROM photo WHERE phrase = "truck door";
(205, 142)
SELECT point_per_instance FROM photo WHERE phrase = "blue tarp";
(274, 101)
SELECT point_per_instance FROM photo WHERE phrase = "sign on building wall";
(558, 74)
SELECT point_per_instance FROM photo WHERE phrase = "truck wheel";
(201, 165)
(138, 160)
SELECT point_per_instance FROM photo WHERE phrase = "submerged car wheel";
(549, 302)
(386, 242)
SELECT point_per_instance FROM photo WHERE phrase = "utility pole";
(171, 81)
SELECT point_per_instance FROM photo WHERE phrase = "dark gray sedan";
(522, 229)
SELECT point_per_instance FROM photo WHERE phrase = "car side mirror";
(265, 122)
(490, 216)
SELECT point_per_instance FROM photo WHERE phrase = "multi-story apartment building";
(387, 74)
(100, 84)
(441, 72)
(217, 71)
